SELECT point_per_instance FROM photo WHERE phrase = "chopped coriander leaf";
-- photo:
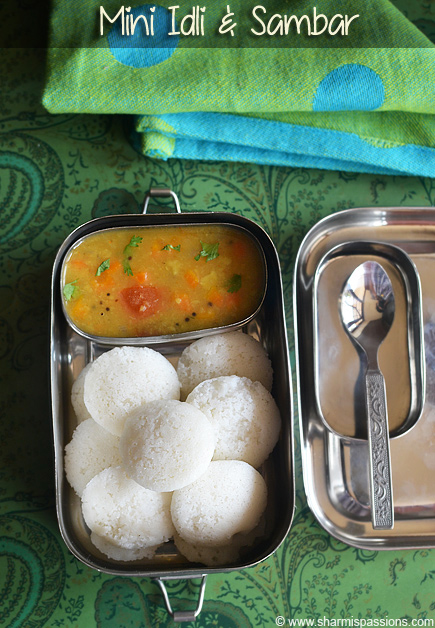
(127, 267)
(102, 267)
(70, 290)
(209, 251)
(134, 242)
(169, 247)
(234, 284)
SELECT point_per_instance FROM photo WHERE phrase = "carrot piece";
(183, 302)
(78, 263)
(141, 277)
(114, 265)
(232, 300)
(157, 247)
(79, 311)
(216, 297)
(106, 279)
(205, 315)
(192, 278)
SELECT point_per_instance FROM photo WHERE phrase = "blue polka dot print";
(139, 50)
(350, 87)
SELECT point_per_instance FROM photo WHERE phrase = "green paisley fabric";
(56, 172)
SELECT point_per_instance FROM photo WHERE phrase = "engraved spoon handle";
(379, 452)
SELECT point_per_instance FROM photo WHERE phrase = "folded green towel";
(293, 100)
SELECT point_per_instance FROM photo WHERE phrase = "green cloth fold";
(361, 107)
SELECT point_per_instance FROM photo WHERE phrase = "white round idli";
(121, 553)
(77, 396)
(123, 379)
(212, 556)
(231, 353)
(244, 416)
(166, 445)
(227, 499)
(91, 449)
(125, 514)
(218, 555)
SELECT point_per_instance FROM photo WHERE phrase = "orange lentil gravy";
(152, 281)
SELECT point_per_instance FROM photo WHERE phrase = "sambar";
(154, 281)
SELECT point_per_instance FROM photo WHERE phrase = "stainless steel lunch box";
(70, 352)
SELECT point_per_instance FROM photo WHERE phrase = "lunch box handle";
(180, 616)
(161, 192)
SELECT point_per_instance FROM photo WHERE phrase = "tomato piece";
(142, 301)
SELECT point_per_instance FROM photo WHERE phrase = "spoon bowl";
(367, 311)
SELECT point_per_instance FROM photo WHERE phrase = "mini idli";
(228, 498)
(211, 556)
(121, 553)
(124, 513)
(166, 445)
(124, 378)
(91, 449)
(243, 414)
(219, 555)
(77, 396)
(231, 353)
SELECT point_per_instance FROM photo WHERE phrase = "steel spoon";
(367, 311)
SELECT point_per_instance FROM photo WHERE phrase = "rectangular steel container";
(70, 352)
